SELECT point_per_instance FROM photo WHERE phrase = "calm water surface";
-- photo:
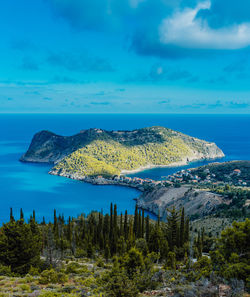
(30, 187)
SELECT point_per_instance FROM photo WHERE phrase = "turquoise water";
(30, 187)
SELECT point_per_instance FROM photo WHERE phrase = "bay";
(30, 187)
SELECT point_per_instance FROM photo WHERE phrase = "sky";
(125, 56)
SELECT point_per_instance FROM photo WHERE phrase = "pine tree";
(19, 247)
(172, 227)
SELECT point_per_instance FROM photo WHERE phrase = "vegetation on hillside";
(120, 255)
(233, 172)
(84, 152)
(110, 157)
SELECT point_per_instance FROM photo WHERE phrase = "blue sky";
(140, 56)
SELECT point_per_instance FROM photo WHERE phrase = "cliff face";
(195, 201)
(96, 151)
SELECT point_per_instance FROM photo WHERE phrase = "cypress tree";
(126, 225)
(121, 226)
(172, 227)
(135, 227)
(21, 214)
(34, 215)
(106, 226)
(115, 220)
(111, 222)
(107, 252)
(158, 219)
(142, 224)
(147, 228)
(69, 231)
(55, 226)
(182, 228)
(139, 225)
(202, 235)
(12, 219)
(186, 236)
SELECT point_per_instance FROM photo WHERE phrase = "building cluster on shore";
(188, 176)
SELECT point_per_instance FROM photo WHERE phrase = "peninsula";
(97, 152)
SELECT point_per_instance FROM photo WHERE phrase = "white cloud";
(185, 30)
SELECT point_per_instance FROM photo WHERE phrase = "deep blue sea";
(30, 187)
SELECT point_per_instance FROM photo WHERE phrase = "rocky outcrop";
(195, 201)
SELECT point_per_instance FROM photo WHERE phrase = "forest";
(121, 255)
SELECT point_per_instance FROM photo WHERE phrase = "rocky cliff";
(195, 201)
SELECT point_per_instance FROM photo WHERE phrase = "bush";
(48, 277)
(34, 271)
(99, 262)
(25, 287)
(62, 278)
(5, 270)
(73, 267)
(203, 266)
(118, 284)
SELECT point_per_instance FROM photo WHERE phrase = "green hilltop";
(112, 153)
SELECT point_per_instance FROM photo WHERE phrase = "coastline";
(174, 164)
(99, 181)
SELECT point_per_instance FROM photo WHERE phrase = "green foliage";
(20, 246)
(76, 268)
(133, 262)
(236, 197)
(34, 271)
(171, 261)
(52, 277)
(223, 172)
(5, 270)
(203, 266)
(109, 157)
(118, 284)
(139, 249)
(232, 254)
(48, 277)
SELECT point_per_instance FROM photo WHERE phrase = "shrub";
(48, 277)
(24, 287)
(5, 270)
(34, 271)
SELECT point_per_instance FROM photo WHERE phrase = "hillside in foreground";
(95, 152)
(123, 255)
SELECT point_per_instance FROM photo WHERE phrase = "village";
(188, 176)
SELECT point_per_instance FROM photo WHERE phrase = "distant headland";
(97, 152)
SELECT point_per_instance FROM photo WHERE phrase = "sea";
(30, 187)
